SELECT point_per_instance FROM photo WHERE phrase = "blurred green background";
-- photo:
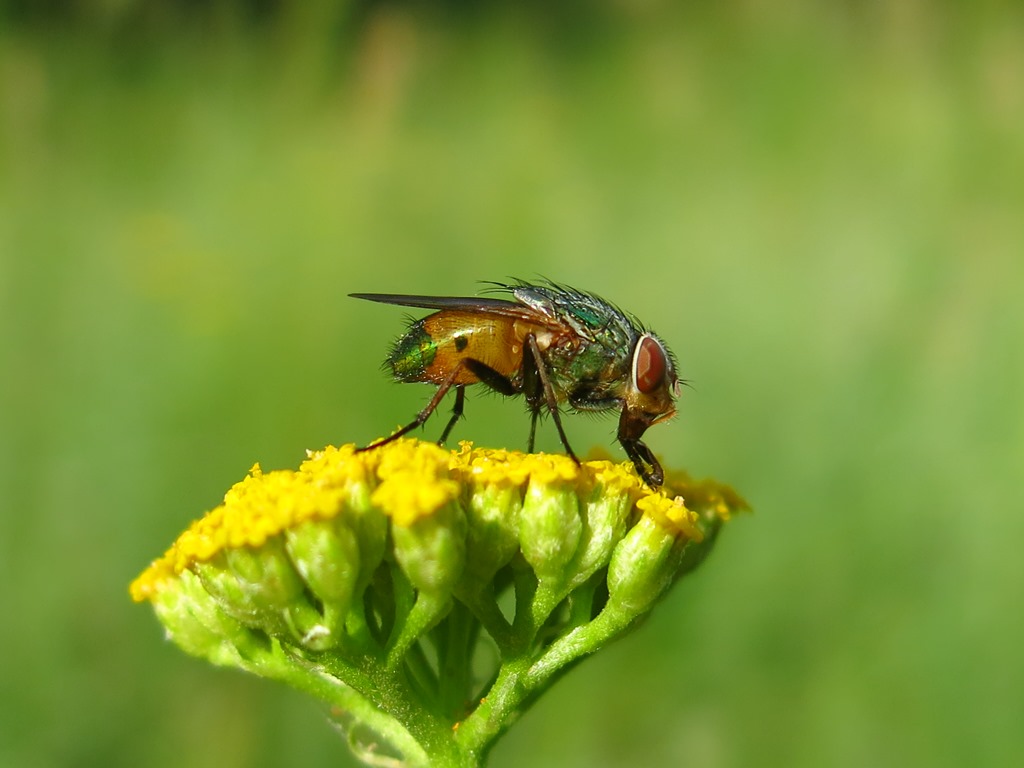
(819, 207)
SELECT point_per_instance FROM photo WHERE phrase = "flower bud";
(549, 524)
(645, 562)
(493, 513)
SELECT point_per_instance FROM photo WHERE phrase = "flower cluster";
(429, 596)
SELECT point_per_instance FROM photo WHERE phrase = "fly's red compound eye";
(649, 364)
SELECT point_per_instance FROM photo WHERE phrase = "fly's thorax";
(545, 338)
(591, 376)
(588, 315)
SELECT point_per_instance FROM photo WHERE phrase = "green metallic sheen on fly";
(412, 354)
(552, 344)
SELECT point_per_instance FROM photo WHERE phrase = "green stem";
(455, 641)
(522, 678)
(342, 697)
(581, 604)
(523, 629)
(420, 673)
(484, 607)
(425, 613)
(579, 642)
(399, 717)
(357, 638)
(498, 710)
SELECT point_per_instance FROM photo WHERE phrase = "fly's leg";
(532, 388)
(423, 415)
(534, 413)
(490, 377)
(642, 456)
(549, 397)
(460, 402)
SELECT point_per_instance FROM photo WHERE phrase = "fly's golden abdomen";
(434, 348)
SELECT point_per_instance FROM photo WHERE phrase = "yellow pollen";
(672, 515)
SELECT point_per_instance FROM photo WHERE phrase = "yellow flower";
(407, 480)
(345, 576)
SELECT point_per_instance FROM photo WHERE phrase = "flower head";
(368, 577)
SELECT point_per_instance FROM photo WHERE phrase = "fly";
(549, 343)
